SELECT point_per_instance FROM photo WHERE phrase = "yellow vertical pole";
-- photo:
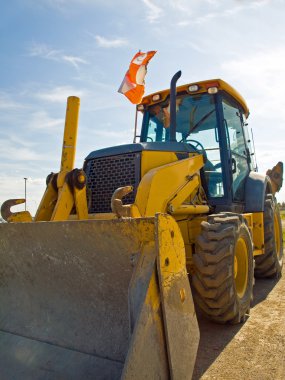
(65, 198)
(70, 134)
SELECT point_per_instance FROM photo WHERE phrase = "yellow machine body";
(107, 295)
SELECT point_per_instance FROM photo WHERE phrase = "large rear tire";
(270, 263)
(223, 268)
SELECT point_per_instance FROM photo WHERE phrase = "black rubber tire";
(270, 263)
(213, 280)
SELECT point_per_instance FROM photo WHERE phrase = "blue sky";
(50, 49)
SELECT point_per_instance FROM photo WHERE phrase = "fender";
(256, 187)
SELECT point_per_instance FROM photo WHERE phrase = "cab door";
(238, 151)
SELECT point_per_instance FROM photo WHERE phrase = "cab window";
(196, 124)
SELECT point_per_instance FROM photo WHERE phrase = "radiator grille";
(106, 174)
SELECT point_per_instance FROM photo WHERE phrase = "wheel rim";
(241, 267)
(277, 235)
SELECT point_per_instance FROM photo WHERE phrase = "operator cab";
(210, 117)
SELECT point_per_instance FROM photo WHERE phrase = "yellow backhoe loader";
(98, 284)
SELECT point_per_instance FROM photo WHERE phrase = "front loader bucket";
(101, 299)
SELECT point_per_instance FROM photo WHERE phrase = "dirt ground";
(253, 350)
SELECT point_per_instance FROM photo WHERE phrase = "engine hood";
(139, 147)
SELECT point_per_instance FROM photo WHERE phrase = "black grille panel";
(106, 174)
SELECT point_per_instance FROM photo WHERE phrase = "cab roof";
(202, 87)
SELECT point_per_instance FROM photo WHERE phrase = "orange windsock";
(133, 83)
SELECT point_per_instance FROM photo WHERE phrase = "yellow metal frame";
(202, 88)
(256, 226)
(167, 187)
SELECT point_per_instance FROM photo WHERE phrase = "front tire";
(223, 268)
(270, 263)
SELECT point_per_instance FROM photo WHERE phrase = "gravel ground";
(253, 350)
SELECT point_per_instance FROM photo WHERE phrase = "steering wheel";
(200, 149)
(196, 144)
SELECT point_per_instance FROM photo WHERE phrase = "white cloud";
(261, 79)
(226, 9)
(154, 12)
(59, 94)
(65, 6)
(113, 134)
(181, 5)
(16, 152)
(259, 63)
(18, 139)
(43, 51)
(40, 120)
(7, 103)
(196, 47)
(262, 74)
(231, 11)
(191, 12)
(75, 61)
(213, 2)
(57, 3)
(46, 52)
(259, 3)
(183, 23)
(110, 43)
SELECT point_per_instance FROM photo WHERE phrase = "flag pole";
(136, 125)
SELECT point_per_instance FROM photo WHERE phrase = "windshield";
(193, 114)
(196, 124)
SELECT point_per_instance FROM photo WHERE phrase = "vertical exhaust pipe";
(173, 105)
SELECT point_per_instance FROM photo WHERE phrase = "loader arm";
(165, 189)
